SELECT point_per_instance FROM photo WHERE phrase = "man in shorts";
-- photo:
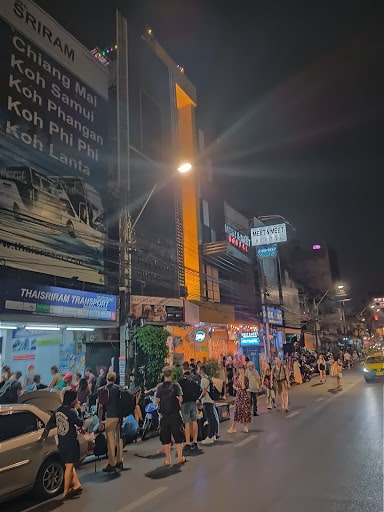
(169, 397)
(191, 392)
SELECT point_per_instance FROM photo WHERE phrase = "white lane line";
(294, 413)
(144, 499)
(246, 440)
(319, 399)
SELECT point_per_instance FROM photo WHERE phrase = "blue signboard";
(267, 251)
(249, 339)
(275, 316)
(36, 299)
(53, 147)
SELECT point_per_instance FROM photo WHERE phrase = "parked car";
(25, 462)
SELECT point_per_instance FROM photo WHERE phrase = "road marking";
(144, 499)
(319, 399)
(246, 440)
(294, 413)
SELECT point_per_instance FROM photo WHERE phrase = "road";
(325, 455)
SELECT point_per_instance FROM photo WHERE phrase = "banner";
(157, 309)
(36, 299)
(53, 156)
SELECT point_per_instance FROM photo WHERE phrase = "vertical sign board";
(53, 160)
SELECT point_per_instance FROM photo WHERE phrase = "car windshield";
(375, 359)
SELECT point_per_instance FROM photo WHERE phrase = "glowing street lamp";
(184, 167)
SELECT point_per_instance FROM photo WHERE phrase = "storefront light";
(41, 328)
(8, 327)
(87, 329)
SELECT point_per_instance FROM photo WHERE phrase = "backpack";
(213, 392)
(100, 445)
(4, 391)
(191, 389)
(127, 403)
(169, 402)
(130, 429)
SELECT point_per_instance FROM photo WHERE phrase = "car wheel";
(50, 479)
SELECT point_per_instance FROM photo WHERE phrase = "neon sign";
(237, 239)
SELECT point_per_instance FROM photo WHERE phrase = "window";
(18, 423)
(205, 213)
(151, 127)
(375, 359)
(211, 285)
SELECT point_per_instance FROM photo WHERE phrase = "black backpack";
(127, 403)
(213, 392)
(100, 445)
(169, 403)
(191, 389)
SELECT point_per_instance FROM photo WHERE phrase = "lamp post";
(267, 346)
(129, 230)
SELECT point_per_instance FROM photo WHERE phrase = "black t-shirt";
(66, 420)
(167, 393)
(112, 407)
(10, 396)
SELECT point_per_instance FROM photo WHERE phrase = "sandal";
(167, 463)
(183, 460)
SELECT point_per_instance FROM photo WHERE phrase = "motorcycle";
(307, 372)
(151, 424)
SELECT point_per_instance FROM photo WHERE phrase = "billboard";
(275, 315)
(157, 309)
(264, 235)
(36, 299)
(53, 161)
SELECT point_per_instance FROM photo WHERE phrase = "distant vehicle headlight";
(366, 370)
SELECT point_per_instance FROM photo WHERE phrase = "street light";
(184, 167)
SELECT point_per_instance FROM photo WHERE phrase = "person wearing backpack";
(109, 406)
(208, 405)
(191, 393)
(169, 397)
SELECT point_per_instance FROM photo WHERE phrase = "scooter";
(151, 425)
(307, 373)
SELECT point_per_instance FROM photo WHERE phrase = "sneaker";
(120, 466)
(188, 447)
(109, 469)
(194, 446)
(208, 440)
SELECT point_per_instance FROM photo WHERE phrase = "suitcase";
(223, 411)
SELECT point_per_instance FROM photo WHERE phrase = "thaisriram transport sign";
(265, 235)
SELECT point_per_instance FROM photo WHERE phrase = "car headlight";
(366, 370)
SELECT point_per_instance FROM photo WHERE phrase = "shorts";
(189, 412)
(171, 426)
(322, 367)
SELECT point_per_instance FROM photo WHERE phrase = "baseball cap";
(68, 375)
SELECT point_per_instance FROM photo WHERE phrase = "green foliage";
(212, 367)
(177, 373)
(153, 342)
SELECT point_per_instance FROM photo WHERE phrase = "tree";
(212, 367)
(153, 342)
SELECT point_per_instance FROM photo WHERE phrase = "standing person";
(223, 377)
(91, 380)
(101, 380)
(208, 405)
(11, 387)
(66, 419)
(281, 377)
(56, 377)
(337, 371)
(297, 375)
(76, 381)
(322, 367)
(169, 397)
(28, 381)
(267, 380)
(110, 410)
(230, 376)
(254, 380)
(191, 392)
(83, 391)
(242, 403)
(347, 359)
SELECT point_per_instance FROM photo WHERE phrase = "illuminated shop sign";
(200, 336)
(250, 338)
(237, 239)
(275, 316)
(266, 251)
(36, 299)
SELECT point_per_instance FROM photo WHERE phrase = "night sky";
(290, 95)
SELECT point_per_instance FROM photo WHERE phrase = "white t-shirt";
(204, 384)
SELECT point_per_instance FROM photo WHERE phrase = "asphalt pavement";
(324, 455)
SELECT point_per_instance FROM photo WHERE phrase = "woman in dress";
(281, 377)
(267, 380)
(66, 419)
(321, 365)
(242, 403)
